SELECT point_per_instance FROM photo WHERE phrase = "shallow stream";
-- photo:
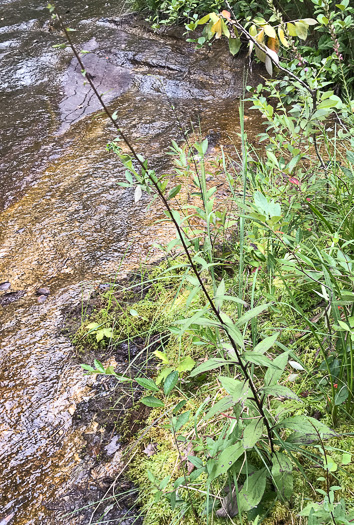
(65, 224)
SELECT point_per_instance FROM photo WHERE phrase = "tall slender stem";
(178, 228)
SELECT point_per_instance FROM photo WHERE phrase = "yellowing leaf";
(253, 30)
(301, 30)
(269, 31)
(291, 29)
(273, 44)
(216, 29)
(260, 37)
(204, 20)
(282, 38)
(161, 356)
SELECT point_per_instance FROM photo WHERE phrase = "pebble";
(42, 298)
(5, 286)
(43, 291)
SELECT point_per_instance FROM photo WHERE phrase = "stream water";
(65, 224)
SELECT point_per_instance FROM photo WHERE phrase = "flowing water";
(65, 224)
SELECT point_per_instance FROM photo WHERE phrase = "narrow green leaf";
(266, 344)
(223, 405)
(147, 383)
(211, 364)
(152, 402)
(170, 382)
(250, 314)
(99, 366)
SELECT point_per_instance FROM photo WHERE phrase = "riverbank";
(66, 225)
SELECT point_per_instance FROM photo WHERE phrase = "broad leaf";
(266, 344)
(237, 389)
(279, 391)
(282, 475)
(252, 490)
(304, 428)
(234, 45)
(252, 433)
(226, 459)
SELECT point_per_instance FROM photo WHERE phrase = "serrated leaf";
(151, 401)
(252, 490)
(147, 383)
(252, 433)
(170, 382)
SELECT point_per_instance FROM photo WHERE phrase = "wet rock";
(5, 286)
(43, 291)
(11, 297)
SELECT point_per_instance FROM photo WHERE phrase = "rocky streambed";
(66, 226)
